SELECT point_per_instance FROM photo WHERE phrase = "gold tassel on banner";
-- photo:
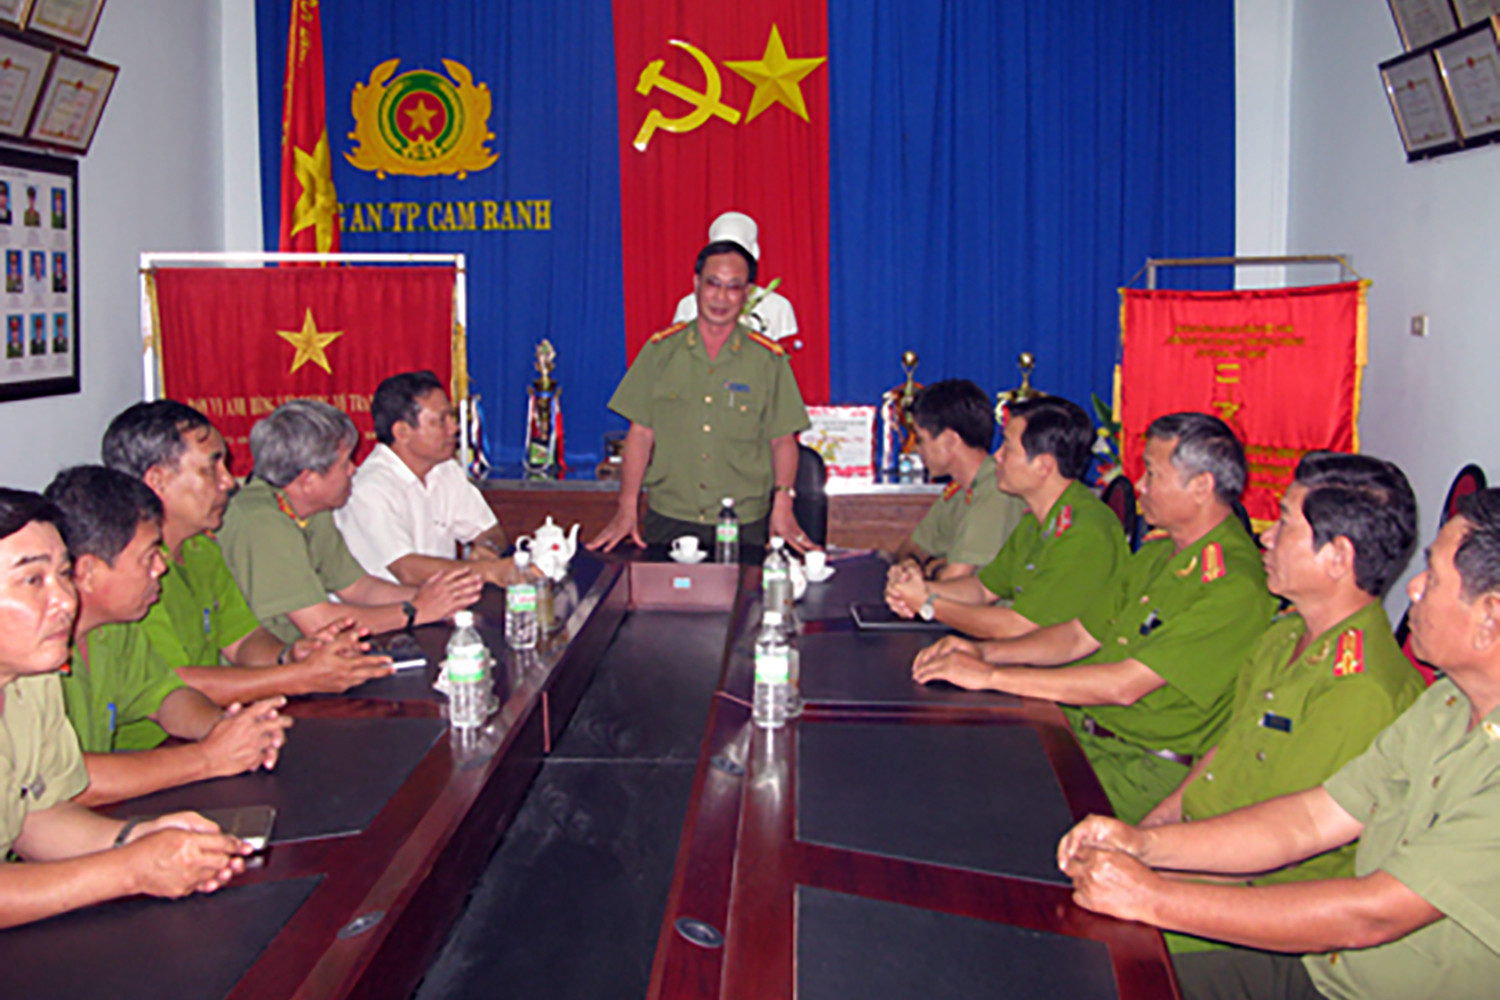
(153, 342)
(1361, 353)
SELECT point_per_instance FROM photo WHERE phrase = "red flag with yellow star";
(238, 342)
(309, 207)
(724, 107)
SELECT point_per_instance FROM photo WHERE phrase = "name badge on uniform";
(1280, 723)
(1151, 624)
(736, 388)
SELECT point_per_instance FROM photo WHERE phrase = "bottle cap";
(728, 501)
(522, 558)
(777, 541)
(463, 619)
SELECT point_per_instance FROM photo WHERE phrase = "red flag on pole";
(309, 207)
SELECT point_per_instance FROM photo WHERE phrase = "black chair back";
(811, 503)
(1119, 496)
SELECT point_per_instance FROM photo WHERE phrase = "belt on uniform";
(1094, 729)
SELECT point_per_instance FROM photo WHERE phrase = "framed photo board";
(39, 242)
(1419, 22)
(70, 21)
(72, 102)
(1473, 11)
(1419, 101)
(23, 70)
(1470, 65)
(13, 12)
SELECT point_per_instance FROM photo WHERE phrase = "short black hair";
(1204, 444)
(148, 434)
(718, 247)
(1366, 500)
(102, 509)
(18, 508)
(399, 398)
(1477, 558)
(1057, 427)
(958, 405)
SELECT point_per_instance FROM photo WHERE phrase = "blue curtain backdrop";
(997, 171)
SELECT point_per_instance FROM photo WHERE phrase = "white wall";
(154, 179)
(1426, 234)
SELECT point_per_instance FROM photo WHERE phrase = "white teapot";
(550, 549)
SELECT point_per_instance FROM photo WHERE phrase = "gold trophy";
(1026, 363)
(543, 455)
(898, 432)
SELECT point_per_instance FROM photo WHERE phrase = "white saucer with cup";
(817, 567)
(685, 549)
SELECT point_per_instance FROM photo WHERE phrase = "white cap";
(736, 227)
(777, 541)
(463, 619)
(728, 502)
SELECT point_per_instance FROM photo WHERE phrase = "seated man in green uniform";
(201, 615)
(970, 521)
(120, 695)
(1151, 665)
(66, 847)
(714, 411)
(286, 553)
(1326, 677)
(1068, 549)
(1420, 916)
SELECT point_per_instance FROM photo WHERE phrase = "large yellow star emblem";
(309, 342)
(317, 205)
(777, 78)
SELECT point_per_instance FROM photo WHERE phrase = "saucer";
(696, 557)
(822, 577)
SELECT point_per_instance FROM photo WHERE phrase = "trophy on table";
(898, 430)
(543, 455)
(1026, 363)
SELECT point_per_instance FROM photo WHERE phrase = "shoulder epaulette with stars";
(1213, 562)
(951, 490)
(1350, 657)
(767, 343)
(661, 335)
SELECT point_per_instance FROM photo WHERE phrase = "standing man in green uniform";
(1068, 549)
(1151, 664)
(714, 411)
(286, 553)
(969, 522)
(1420, 917)
(201, 615)
(120, 695)
(1326, 677)
(41, 769)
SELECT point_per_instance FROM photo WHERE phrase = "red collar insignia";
(951, 490)
(1350, 657)
(1213, 562)
(1064, 520)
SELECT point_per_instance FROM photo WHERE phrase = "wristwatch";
(790, 491)
(926, 611)
(410, 610)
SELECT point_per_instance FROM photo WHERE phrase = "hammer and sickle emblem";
(705, 104)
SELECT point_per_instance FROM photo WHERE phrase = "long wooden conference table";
(895, 841)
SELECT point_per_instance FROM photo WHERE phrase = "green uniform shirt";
(40, 764)
(1296, 721)
(112, 692)
(713, 421)
(1052, 573)
(969, 525)
(201, 610)
(1192, 617)
(282, 566)
(1428, 794)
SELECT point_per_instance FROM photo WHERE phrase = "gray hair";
(1477, 558)
(1204, 444)
(297, 435)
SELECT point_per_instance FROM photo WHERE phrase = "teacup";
(817, 562)
(685, 547)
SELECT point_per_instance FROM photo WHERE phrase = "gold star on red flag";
(309, 342)
(777, 77)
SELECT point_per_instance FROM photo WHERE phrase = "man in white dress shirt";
(411, 505)
(771, 315)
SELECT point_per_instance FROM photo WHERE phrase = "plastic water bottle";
(521, 609)
(776, 584)
(466, 670)
(727, 535)
(773, 674)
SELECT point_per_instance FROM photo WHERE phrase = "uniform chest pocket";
(741, 409)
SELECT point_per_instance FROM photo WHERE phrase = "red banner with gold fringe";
(1281, 366)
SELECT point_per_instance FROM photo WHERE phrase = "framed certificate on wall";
(1419, 101)
(1473, 11)
(70, 21)
(1419, 22)
(72, 102)
(23, 70)
(1470, 65)
(13, 12)
(39, 305)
